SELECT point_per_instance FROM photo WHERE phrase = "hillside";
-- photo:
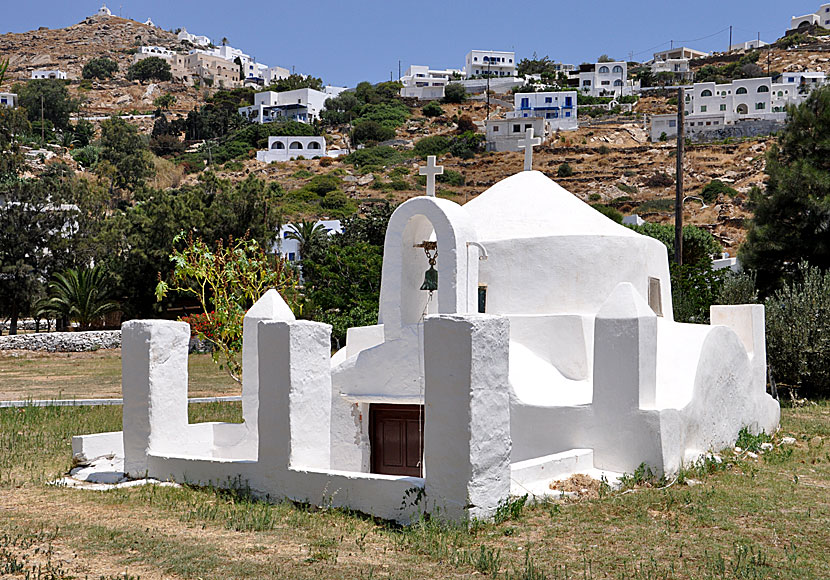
(612, 160)
(69, 49)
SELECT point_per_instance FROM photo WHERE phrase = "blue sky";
(347, 42)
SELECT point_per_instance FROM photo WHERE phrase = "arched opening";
(618, 69)
(742, 109)
(295, 145)
(741, 91)
(278, 145)
(415, 302)
(603, 70)
(618, 83)
(763, 89)
(313, 145)
(706, 93)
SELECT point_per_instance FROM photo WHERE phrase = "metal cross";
(528, 143)
(431, 170)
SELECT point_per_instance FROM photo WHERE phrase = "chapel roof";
(531, 205)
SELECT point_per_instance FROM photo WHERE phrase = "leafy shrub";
(432, 109)
(604, 150)
(714, 188)
(798, 332)
(390, 114)
(87, 156)
(467, 145)
(151, 68)
(371, 132)
(565, 170)
(738, 288)
(663, 136)
(322, 184)
(698, 244)
(435, 145)
(374, 156)
(657, 205)
(660, 179)
(694, 287)
(449, 177)
(399, 185)
(792, 40)
(326, 161)
(594, 197)
(626, 188)
(99, 68)
(338, 203)
(455, 93)
(609, 212)
(465, 124)
(233, 166)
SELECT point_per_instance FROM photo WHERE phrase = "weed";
(510, 509)
(749, 442)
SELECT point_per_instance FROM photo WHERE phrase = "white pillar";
(154, 386)
(466, 415)
(294, 394)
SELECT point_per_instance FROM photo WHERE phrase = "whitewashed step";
(533, 476)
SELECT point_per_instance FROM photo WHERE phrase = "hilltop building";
(494, 63)
(557, 108)
(679, 52)
(103, 11)
(820, 17)
(749, 45)
(605, 79)
(193, 38)
(48, 74)
(302, 105)
(756, 105)
(424, 83)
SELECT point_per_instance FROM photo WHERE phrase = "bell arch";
(420, 219)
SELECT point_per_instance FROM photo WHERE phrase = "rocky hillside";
(69, 49)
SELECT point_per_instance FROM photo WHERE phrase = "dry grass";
(87, 375)
(747, 518)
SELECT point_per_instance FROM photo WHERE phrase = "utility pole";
(399, 69)
(42, 128)
(678, 191)
(730, 39)
(487, 92)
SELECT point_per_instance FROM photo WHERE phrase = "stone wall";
(63, 341)
(740, 130)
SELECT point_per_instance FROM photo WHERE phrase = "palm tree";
(83, 296)
(309, 235)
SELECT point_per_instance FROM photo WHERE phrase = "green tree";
(83, 296)
(52, 96)
(793, 212)
(294, 81)
(165, 101)
(125, 150)
(35, 218)
(432, 109)
(150, 68)
(13, 123)
(100, 68)
(309, 235)
(4, 66)
(226, 281)
(455, 93)
(371, 132)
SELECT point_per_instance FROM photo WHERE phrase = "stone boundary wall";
(63, 341)
(740, 130)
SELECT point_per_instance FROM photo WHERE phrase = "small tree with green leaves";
(226, 282)
(455, 93)
(100, 68)
(165, 101)
(150, 68)
(432, 109)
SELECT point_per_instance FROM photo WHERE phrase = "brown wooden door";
(397, 438)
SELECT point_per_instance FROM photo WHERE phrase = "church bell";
(431, 275)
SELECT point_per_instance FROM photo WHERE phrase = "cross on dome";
(431, 170)
(528, 143)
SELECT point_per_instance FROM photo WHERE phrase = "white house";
(48, 74)
(749, 45)
(679, 52)
(8, 100)
(495, 63)
(424, 83)
(606, 79)
(286, 148)
(333, 91)
(302, 105)
(290, 248)
(273, 74)
(193, 38)
(540, 343)
(158, 51)
(104, 11)
(558, 109)
(250, 68)
(805, 81)
(820, 17)
(505, 134)
(711, 106)
(678, 67)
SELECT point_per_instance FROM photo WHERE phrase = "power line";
(681, 41)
